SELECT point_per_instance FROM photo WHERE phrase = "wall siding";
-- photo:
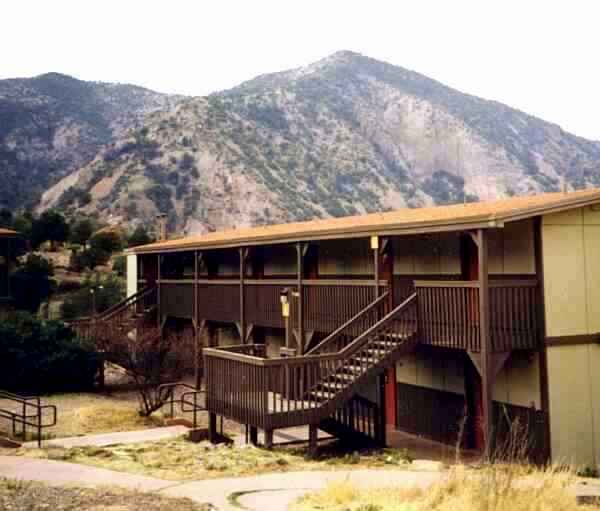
(516, 384)
(511, 251)
(571, 244)
(346, 257)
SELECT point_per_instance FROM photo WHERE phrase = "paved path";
(124, 437)
(257, 493)
(276, 491)
(57, 473)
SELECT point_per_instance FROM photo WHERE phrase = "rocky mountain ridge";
(345, 135)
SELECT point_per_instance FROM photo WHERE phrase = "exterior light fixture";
(374, 242)
(285, 303)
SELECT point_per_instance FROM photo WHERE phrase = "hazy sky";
(539, 56)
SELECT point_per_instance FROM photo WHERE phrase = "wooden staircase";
(130, 315)
(319, 387)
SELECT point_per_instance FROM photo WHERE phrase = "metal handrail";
(22, 418)
(183, 398)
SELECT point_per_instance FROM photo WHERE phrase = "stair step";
(333, 385)
(322, 395)
(345, 376)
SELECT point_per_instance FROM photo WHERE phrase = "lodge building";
(438, 321)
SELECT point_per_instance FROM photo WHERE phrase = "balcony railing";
(327, 303)
(448, 314)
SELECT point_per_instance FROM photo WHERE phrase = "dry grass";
(178, 459)
(493, 488)
(86, 413)
(37, 497)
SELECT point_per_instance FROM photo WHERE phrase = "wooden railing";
(448, 314)
(112, 321)
(327, 303)
(282, 392)
(356, 325)
(359, 415)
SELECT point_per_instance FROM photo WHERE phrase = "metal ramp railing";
(27, 411)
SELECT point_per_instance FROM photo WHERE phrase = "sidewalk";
(125, 437)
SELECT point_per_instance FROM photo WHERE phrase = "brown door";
(390, 396)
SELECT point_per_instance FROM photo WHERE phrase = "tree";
(50, 226)
(106, 241)
(139, 237)
(119, 265)
(108, 291)
(23, 225)
(44, 356)
(81, 231)
(151, 359)
(31, 284)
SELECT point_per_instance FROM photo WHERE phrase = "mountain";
(347, 134)
(53, 124)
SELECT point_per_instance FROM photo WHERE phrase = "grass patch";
(494, 487)
(177, 459)
(37, 497)
(87, 413)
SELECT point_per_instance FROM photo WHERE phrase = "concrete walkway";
(124, 437)
(277, 491)
(57, 473)
(256, 493)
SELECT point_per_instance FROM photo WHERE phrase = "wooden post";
(312, 440)
(299, 258)
(382, 421)
(486, 348)
(375, 247)
(212, 427)
(243, 253)
(253, 435)
(268, 438)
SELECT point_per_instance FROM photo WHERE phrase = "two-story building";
(439, 321)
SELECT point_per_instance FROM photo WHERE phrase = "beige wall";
(518, 383)
(346, 257)
(571, 246)
(574, 384)
(432, 372)
(511, 251)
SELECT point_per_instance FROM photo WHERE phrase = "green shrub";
(31, 283)
(43, 356)
(107, 292)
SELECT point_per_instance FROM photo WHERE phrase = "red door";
(390, 396)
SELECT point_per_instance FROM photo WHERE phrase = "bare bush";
(151, 359)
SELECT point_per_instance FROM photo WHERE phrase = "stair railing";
(274, 392)
(343, 335)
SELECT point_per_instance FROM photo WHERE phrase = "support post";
(212, 427)
(243, 253)
(268, 438)
(375, 247)
(254, 435)
(382, 420)
(486, 348)
(300, 257)
(312, 440)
